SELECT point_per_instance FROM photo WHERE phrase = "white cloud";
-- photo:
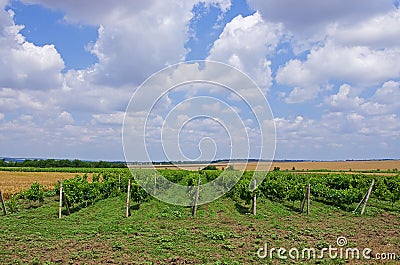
(135, 39)
(383, 101)
(92, 98)
(342, 99)
(95, 12)
(309, 17)
(300, 95)
(24, 65)
(389, 93)
(65, 117)
(378, 32)
(105, 12)
(356, 65)
(109, 119)
(245, 43)
(129, 53)
(338, 135)
(351, 47)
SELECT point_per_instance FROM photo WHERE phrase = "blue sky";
(329, 70)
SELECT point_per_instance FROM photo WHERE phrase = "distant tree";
(230, 168)
(210, 167)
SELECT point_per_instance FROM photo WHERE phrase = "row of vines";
(341, 190)
(337, 189)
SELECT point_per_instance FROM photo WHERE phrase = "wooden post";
(366, 198)
(304, 201)
(66, 203)
(128, 196)
(196, 198)
(3, 203)
(61, 197)
(359, 204)
(119, 182)
(308, 198)
(155, 184)
(255, 199)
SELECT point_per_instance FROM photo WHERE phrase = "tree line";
(51, 163)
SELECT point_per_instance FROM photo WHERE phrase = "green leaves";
(110, 183)
(35, 193)
(336, 189)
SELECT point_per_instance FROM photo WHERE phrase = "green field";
(223, 232)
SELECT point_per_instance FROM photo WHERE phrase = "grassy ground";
(157, 233)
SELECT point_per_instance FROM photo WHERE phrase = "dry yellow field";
(14, 182)
(383, 165)
(330, 165)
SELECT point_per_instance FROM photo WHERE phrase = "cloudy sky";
(329, 69)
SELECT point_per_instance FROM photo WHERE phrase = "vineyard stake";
(61, 196)
(366, 198)
(303, 202)
(119, 182)
(66, 203)
(2, 203)
(359, 204)
(196, 198)
(127, 198)
(255, 199)
(155, 184)
(308, 198)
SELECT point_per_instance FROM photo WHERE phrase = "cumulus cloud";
(95, 12)
(349, 69)
(308, 17)
(378, 32)
(102, 12)
(383, 101)
(245, 43)
(357, 65)
(302, 94)
(342, 100)
(82, 107)
(109, 118)
(136, 38)
(129, 54)
(24, 64)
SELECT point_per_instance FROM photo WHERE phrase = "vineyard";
(341, 190)
(223, 232)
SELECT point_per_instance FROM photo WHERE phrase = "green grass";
(157, 233)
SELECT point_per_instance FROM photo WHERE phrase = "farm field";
(223, 232)
(157, 233)
(13, 182)
(381, 165)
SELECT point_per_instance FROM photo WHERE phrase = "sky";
(329, 70)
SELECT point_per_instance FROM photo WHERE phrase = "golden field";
(14, 182)
(382, 165)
